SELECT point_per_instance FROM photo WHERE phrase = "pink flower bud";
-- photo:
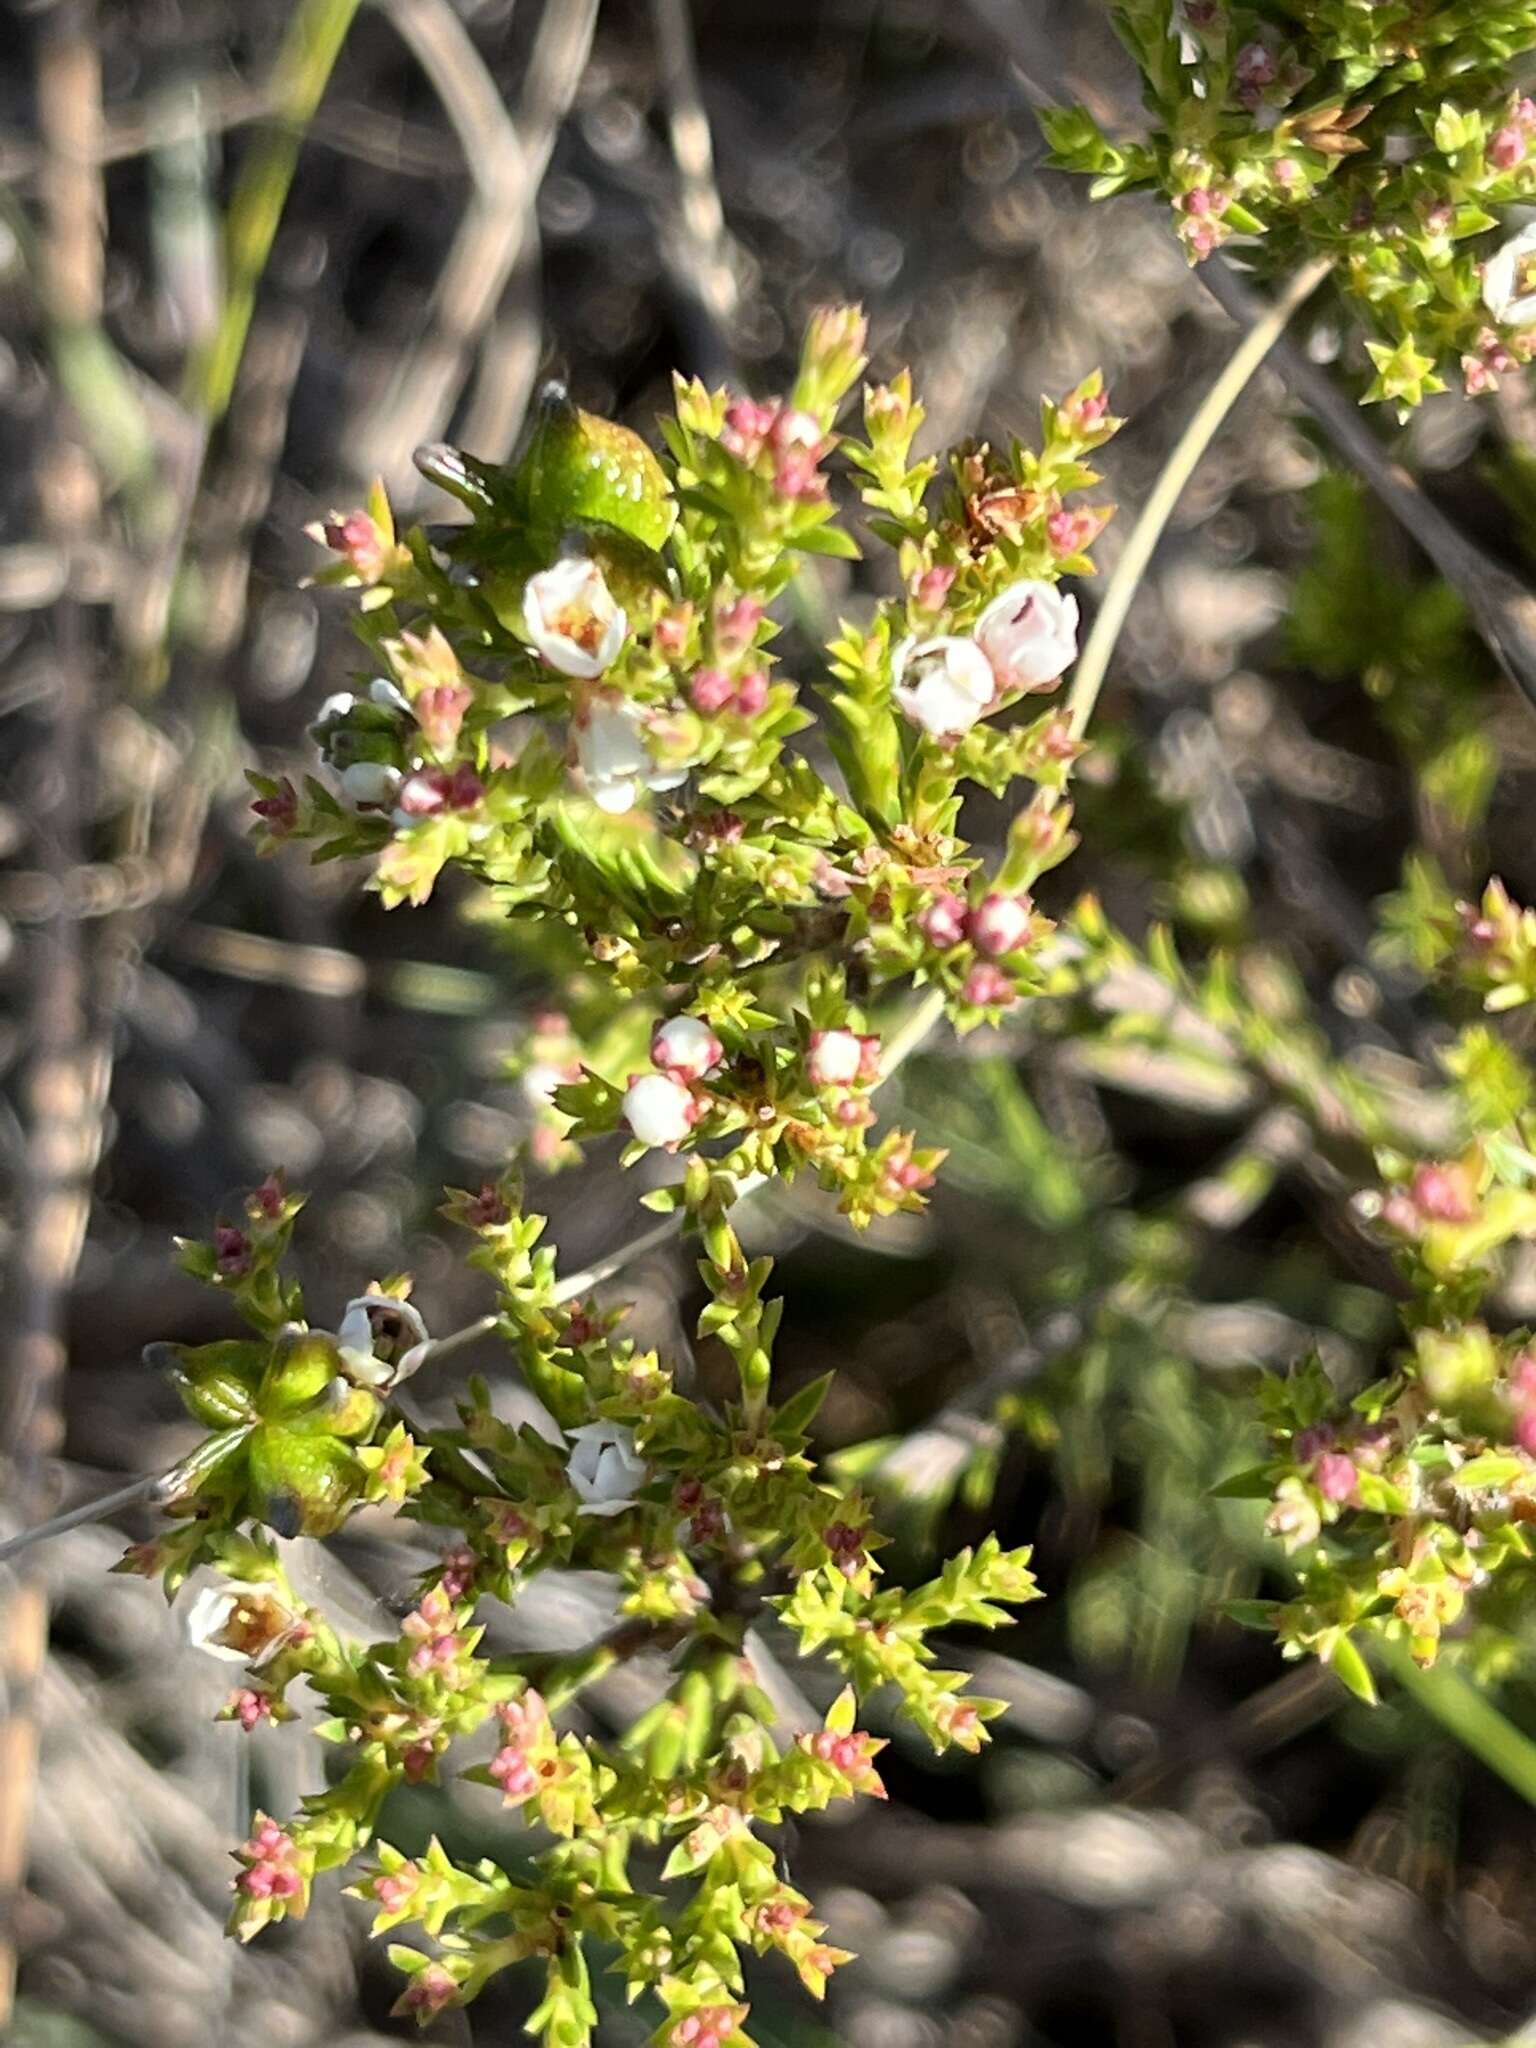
(1476, 377)
(429, 1992)
(249, 1707)
(356, 537)
(796, 475)
(1335, 1476)
(1001, 925)
(932, 587)
(737, 623)
(1441, 1194)
(942, 923)
(1087, 412)
(513, 1773)
(1070, 532)
(1506, 148)
(710, 691)
(459, 1567)
(747, 427)
(394, 1889)
(671, 630)
(752, 693)
(440, 713)
(987, 987)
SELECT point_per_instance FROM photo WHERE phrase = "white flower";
(1029, 635)
(540, 1081)
(335, 706)
(370, 785)
(572, 618)
(604, 1467)
(382, 1340)
(835, 1058)
(659, 1110)
(244, 1621)
(686, 1048)
(1509, 280)
(389, 697)
(614, 760)
(943, 685)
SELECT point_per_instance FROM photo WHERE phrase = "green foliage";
(1382, 138)
(718, 898)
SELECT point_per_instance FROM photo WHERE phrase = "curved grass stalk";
(304, 64)
(1125, 580)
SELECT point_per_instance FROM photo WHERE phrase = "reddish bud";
(752, 693)
(988, 987)
(710, 691)
(1506, 148)
(932, 587)
(942, 923)
(279, 812)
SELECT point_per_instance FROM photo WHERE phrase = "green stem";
(1476, 1723)
(304, 65)
(1088, 677)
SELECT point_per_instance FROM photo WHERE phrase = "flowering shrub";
(574, 699)
(1381, 135)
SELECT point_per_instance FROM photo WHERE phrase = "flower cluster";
(575, 699)
(1384, 138)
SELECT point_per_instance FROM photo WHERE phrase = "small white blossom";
(1509, 280)
(244, 1621)
(370, 785)
(686, 1048)
(943, 685)
(337, 705)
(383, 1340)
(573, 619)
(835, 1058)
(614, 760)
(389, 697)
(540, 1081)
(604, 1467)
(1029, 635)
(659, 1110)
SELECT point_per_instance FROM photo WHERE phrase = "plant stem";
(304, 64)
(1088, 677)
(1475, 1722)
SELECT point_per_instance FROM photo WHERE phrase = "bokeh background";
(1176, 1841)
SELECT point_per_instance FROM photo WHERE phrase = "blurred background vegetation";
(253, 254)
